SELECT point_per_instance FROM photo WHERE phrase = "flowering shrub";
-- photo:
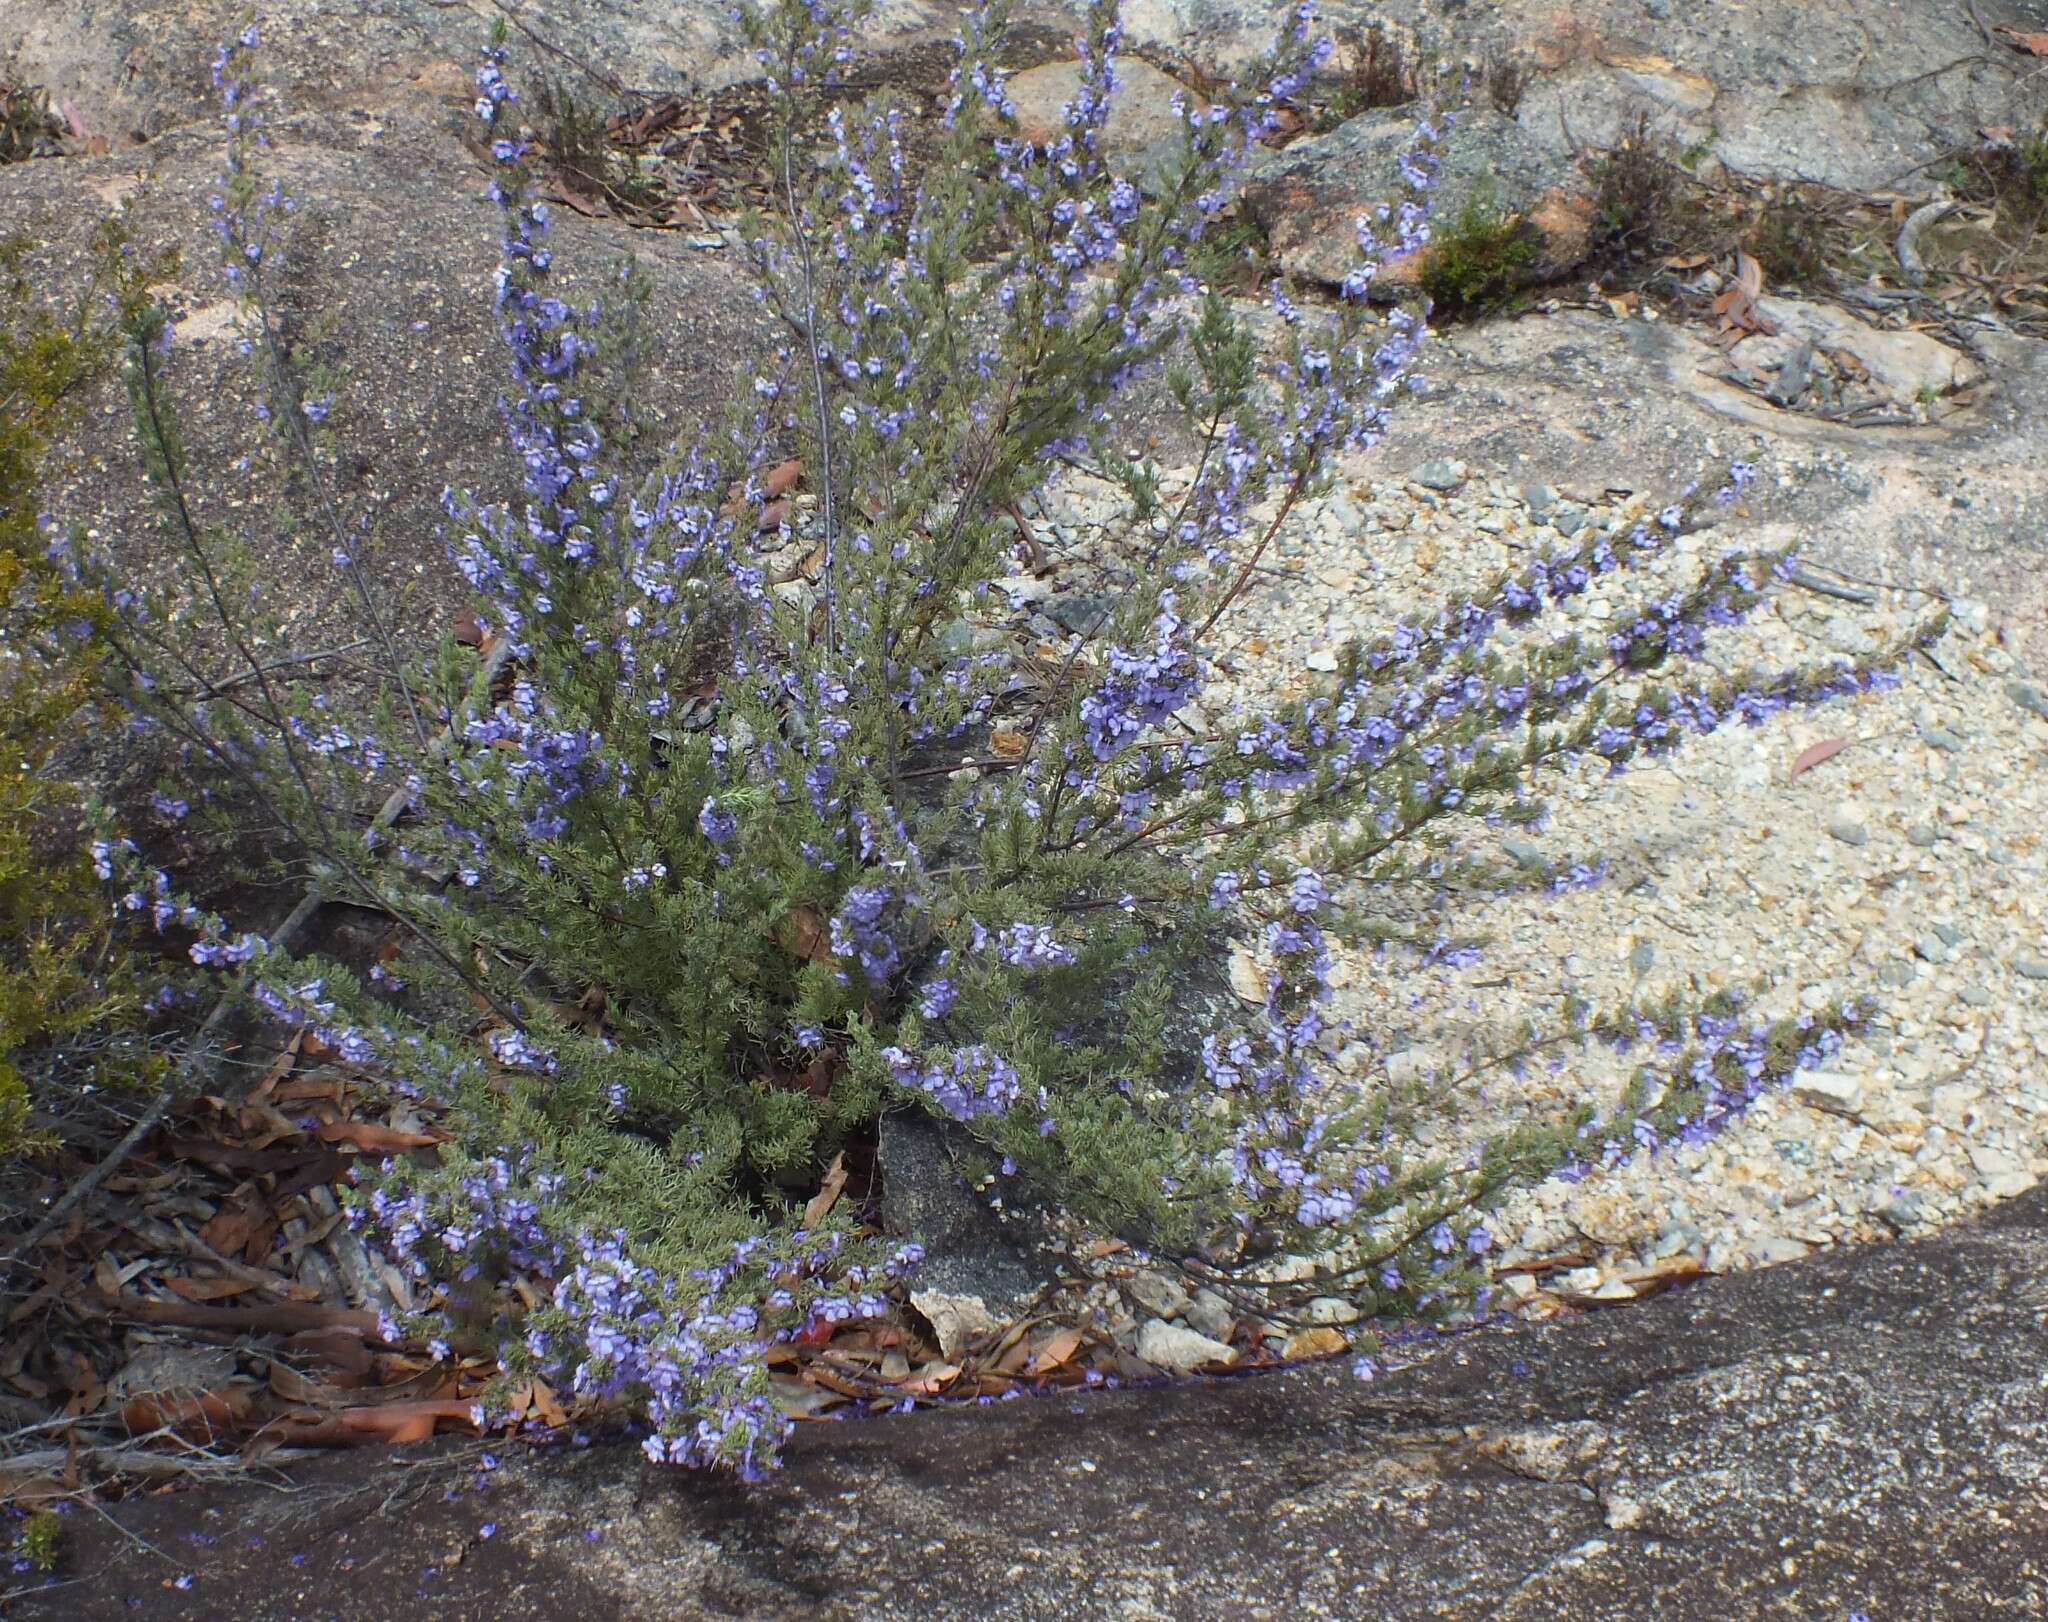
(755, 824)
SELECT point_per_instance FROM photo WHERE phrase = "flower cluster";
(686, 1346)
(965, 1082)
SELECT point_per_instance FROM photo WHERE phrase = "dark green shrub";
(1479, 258)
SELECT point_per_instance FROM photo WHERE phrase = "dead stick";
(274, 1318)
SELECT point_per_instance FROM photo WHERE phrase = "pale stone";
(1174, 1346)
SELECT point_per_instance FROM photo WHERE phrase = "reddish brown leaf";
(1814, 753)
(931, 1379)
(804, 933)
(373, 1139)
(202, 1416)
(828, 1191)
(469, 630)
(818, 1374)
(545, 1408)
(212, 1289)
(241, 1227)
(1664, 1275)
(775, 514)
(782, 478)
(388, 1422)
(1054, 1350)
(2032, 44)
(339, 1349)
(294, 1387)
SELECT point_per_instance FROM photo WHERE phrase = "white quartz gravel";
(1910, 867)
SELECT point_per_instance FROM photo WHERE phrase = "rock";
(1849, 829)
(1440, 473)
(1905, 1211)
(955, 1319)
(1313, 1343)
(979, 1269)
(1322, 660)
(162, 1368)
(1310, 196)
(1829, 1090)
(1922, 836)
(1902, 365)
(1949, 743)
(1084, 613)
(1247, 979)
(1211, 1315)
(1930, 947)
(1333, 1309)
(2028, 697)
(2030, 968)
(136, 72)
(1023, 589)
(1992, 1161)
(1768, 1250)
(1157, 1293)
(1409, 1066)
(1540, 499)
(1784, 1420)
(1763, 89)
(1142, 125)
(1173, 1346)
(1643, 958)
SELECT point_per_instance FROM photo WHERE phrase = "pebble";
(1174, 1346)
(2029, 697)
(1849, 830)
(1826, 1090)
(1440, 473)
(1209, 1314)
(1158, 1294)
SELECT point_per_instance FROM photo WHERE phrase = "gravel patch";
(1905, 866)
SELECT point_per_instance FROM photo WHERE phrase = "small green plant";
(28, 127)
(577, 139)
(70, 1011)
(39, 1542)
(1639, 193)
(1376, 74)
(1506, 76)
(1791, 240)
(1480, 257)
